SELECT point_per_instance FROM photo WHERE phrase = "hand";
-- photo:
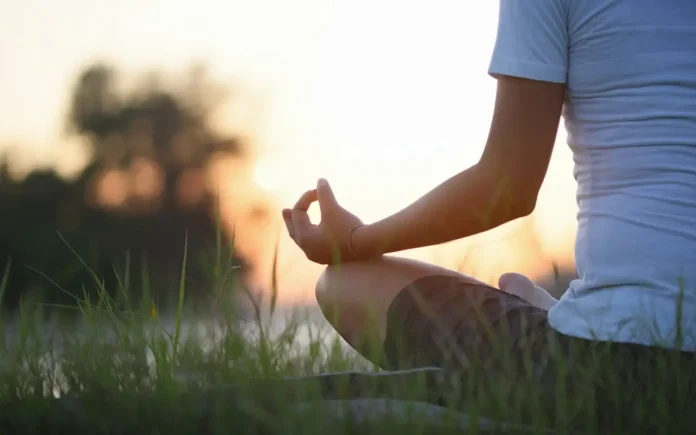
(329, 241)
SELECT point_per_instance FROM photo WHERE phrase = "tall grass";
(214, 371)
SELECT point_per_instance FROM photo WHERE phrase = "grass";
(135, 370)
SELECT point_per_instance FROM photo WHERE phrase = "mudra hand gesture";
(328, 242)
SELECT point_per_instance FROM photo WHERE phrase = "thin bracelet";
(350, 241)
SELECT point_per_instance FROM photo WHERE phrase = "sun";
(267, 175)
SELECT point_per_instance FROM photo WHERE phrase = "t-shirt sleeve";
(532, 40)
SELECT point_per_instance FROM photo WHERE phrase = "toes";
(508, 282)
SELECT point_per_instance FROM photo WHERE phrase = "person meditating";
(622, 75)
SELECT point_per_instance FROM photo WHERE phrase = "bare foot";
(523, 287)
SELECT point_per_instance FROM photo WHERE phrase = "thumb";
(327, 200)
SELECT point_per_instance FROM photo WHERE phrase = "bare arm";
(501, 187)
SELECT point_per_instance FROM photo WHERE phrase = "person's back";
(631, 120)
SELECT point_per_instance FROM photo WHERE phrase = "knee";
(338, 308)
(341, 297)
(326, 290)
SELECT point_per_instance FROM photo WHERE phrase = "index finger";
(301, 222)
(306, 200)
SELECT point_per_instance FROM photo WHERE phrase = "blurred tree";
(145, 189)
(94, 101)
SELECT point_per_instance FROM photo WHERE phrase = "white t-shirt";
(630, 70)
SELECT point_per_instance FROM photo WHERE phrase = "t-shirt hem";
(573, 328)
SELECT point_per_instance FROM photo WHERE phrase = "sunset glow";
(385, 99)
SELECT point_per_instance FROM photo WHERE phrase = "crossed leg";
(373, 303)
(356, 297)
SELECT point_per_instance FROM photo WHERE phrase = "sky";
(384, 98)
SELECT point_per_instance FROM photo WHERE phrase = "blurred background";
(129, 128)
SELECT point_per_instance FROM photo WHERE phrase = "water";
(46, 342)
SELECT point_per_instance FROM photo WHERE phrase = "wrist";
(362, 243)
(351, 243)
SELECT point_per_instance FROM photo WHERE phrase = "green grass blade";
(274, 279)
(180, 305)
(5, 282)
(58, 286)
(218, 239)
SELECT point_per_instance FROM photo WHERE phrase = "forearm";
(471, 202)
